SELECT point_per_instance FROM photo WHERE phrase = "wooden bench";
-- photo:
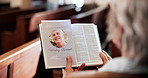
(21, 62)
(90, 6)
(8, 9)
(59, 14)
(8, 25)
(86, 17)
(9, 22)
(8, 18)
(10, 40)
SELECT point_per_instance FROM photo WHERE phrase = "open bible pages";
(87, 44)
(57, 42)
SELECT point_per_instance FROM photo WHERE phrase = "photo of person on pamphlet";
(58, 38)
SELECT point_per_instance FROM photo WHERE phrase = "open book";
(60, 39)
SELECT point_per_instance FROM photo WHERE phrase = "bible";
(60, 39)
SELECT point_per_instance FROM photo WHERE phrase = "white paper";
(87, 44)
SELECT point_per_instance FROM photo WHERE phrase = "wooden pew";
(86, 17)
(59, 14)
(87, 7)
(10, 33)
(10, 40)
(8, 9)
(8, 24)
(21, 62)
(8, 18)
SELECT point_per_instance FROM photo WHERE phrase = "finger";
(108, 56)
(69, 62)
(81, 66)
(103, 57)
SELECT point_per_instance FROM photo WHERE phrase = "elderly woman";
(128, 29)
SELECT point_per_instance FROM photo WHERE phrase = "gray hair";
(133, 16)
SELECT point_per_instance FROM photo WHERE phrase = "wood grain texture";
(23, 60)
(3, 72)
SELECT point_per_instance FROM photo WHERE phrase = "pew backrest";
(59, 14)
(12, 28)
(21, 62)
(10, 40)
(8, 18)
(86, 17)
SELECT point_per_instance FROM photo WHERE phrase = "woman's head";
(129, 20)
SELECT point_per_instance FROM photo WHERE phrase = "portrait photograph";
(58, 38)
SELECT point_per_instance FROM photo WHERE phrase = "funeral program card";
(57, 42)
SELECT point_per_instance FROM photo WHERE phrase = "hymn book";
(60, 39)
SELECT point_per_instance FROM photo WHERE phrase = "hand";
(69, 68)
(105, 57)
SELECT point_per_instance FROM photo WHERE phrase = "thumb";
(69, 64)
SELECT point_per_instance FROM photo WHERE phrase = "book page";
(87, 44)
(57, 42)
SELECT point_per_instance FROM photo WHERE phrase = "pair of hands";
(104, 56)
